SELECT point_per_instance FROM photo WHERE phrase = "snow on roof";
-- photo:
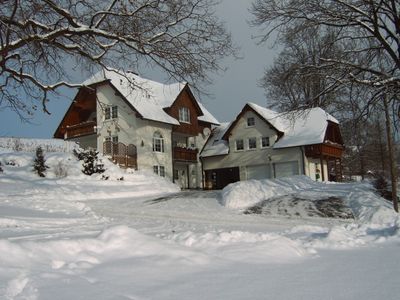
(306, 127)
(207, 116)
(216, 145)
(301, 127)
(273, 117)
(148, 97)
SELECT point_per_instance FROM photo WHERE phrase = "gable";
(241, 116)
(80, 110)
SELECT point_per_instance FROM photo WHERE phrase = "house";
(261, 143)
(142, 124)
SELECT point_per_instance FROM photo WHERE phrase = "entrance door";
(181, 176)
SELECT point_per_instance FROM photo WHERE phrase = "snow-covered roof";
(299, 128)
(302, 127)
(148, 97)
(216, 145)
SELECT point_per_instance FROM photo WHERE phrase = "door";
(285, 169)
(181, 176)
(217, 179)
(258, 172)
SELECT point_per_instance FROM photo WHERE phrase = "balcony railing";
(81, 129)
(185, 154)
(324, 150)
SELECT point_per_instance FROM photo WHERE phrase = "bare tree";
(369, 34)
(40, 40)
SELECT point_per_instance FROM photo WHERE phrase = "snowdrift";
(367, 206)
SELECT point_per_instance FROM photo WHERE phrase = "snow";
(148, 97)
(306, 127)
(215, 144)
(82, 237)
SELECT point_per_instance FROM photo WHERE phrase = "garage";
(285, 169)
(217, 179)
(258, 172)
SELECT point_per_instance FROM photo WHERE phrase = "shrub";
(91, 163)
(39, 165)
(381, 186)
(1, 169)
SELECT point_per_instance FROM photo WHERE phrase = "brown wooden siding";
(82, 108)
(81, 129)
(183, 154)
(185, 100)
(316, 151)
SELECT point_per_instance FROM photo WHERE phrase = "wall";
(133, 130)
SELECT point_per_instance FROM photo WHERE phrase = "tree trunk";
(392, 159)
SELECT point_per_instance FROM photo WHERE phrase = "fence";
(120, 154)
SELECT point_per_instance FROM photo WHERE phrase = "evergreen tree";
(91, 163)
(39, 165)
(1, 169)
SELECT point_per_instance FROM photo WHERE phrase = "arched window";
(158, 142)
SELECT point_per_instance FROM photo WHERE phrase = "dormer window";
(251, 122)
(184, 115)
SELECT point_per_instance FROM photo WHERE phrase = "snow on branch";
(40, 41)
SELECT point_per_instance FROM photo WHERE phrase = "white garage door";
(286, 169)
(258, 172)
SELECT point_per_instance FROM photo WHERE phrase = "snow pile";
(243, 194)
(366, 206)
(234, 245)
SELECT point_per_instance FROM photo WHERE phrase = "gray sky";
(230, 90)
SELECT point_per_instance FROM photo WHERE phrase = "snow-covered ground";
(72, 236)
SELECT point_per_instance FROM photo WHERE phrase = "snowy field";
(135, 236)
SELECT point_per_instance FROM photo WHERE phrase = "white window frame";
(253, 122)
(158, 143)
(111, 112)
(262, 144)
(184, 115)
(236, 144)
(255, 143)
(159, 170)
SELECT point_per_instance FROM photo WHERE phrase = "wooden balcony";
(81, 129)
(327, 150)
(184, 154)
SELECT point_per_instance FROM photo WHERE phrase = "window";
(158, 142)
(239, 145)
(184, 115)
(251, 122)
(114, 112)
(162, 171)
(111, 112)
(252, 143)
(155, 169)
(107, 113)
(115, 139)
(265, 142)
(159, 170)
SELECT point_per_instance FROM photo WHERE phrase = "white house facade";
(262, 144)
(141, 124)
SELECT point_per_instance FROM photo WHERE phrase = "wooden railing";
(184, 154)
(81, 129)
(324, 150)
(121, 154)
